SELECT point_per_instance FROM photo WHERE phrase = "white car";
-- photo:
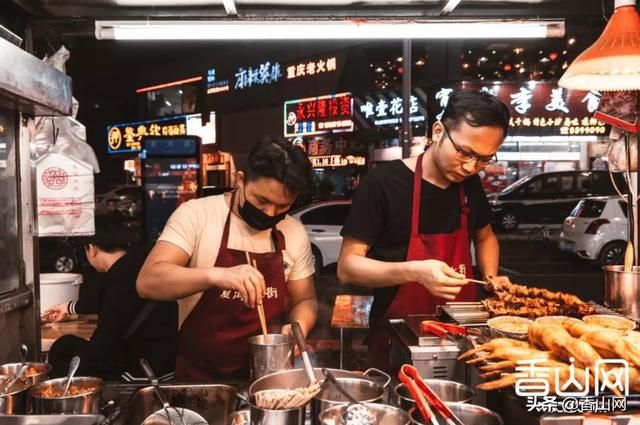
(596, 230)
(323, 222)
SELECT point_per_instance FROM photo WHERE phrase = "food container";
(384, 414)
(86, 402)
(448, 391)
(260, 416)
(469, 414)
(622, 290)
(240, 417)
(14, 402)
(273, 355)
(58, 288)
(36, 371)
(610, 321)
(510, 326)
(555, 320)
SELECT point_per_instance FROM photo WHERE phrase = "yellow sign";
(115, 138)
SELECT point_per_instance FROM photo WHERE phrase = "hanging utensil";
(357, 412)
(168, 414)
(260, 306)
(24, 351)
(409, 376)
(73, 367)
(628, 257)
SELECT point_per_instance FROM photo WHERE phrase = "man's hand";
(439, 279)
(57, 313)
(245, 279)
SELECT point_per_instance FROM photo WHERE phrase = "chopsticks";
(260, 306)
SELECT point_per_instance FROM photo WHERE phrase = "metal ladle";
(356, 413)
(73, 367)
(15, 379)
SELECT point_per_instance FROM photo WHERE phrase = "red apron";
(213, 338)
(413, 298)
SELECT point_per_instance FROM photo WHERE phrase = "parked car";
(61, 254)
(323, 222)
(128, 200)
(596, 230)
(548, 198)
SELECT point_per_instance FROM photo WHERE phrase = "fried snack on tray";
(519, 300)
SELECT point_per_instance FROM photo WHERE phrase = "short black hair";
(112, 201)
(112, 234)
(477, 108)
(281, 161)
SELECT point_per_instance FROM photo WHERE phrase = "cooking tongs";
(457, 334)
(424, 396)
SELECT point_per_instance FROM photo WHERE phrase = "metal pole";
(405, 128)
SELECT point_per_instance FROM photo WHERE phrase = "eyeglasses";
(467, 156)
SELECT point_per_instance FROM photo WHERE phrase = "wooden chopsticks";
(260, 306)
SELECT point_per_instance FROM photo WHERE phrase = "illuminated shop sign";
(264, 74)
(537, 108)
(337, 161)
(214, 86)
(316, 115)
(311, 68)
(127, 137)
(386, 108)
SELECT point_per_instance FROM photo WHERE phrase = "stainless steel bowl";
(87, 403)
(14, 402)
(469, 414)
(384, 414)
(448, 391)
(41, 368)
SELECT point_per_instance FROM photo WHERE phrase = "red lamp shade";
(613, 61)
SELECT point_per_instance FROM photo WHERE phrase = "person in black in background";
(112, 208)
(128, 327)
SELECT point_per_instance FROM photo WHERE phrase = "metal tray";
(51, 419)
(425, 339)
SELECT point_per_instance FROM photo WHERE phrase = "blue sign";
(264, 74)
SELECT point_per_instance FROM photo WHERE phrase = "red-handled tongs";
(458, 334)
(409, 376)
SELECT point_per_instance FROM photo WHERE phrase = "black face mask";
(256, 218)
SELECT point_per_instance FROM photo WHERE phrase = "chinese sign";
(337, 161)
(228, 294)
(571, 386)
(127, 137)
(316, 115)
(311, 68)
(537, 108)
(386, 108)
(263, 74)
(333, 152)
(213, 85)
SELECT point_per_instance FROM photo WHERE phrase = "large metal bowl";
(84, 403)
(469, 414)
(448, 391)
(384, 414)
(42, 370)
(15, 401)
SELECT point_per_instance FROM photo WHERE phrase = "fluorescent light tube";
(324, 30)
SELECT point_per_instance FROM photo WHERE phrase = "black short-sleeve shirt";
(380, 215)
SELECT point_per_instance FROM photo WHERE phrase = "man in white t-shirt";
(201, 259)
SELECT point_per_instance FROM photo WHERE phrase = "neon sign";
(316, 115)
(264, 74)
(306, 69)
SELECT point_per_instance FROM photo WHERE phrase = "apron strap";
(416, 197)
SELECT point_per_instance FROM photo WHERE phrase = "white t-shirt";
(197, 225)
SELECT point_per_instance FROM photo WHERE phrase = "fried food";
(53, 392)
(493, 345)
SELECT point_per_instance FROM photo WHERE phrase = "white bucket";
(58, 288)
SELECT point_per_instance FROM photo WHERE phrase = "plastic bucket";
(58, 288)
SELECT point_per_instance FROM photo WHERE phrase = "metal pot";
(42, 369)
(621, 290)
(387, 415)
(272, 355)
(260, 416)
(469, 414)
(240, 417)
(15, 402)
(448, 391)
(88, 403)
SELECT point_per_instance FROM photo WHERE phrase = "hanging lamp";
(612, 63)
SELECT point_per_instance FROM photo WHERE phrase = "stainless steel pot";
(14, 402)
(41, 368)
(469, 414)
(387, 415)
(273, 355)
(260, 416)
(448, 391)
(87, 403)
(621, 290)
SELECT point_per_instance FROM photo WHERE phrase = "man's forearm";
(362, 271)
(166, 281)
(488, 255)
(305, 312)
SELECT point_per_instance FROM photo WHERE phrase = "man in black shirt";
(408, 232)
(128, 327)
